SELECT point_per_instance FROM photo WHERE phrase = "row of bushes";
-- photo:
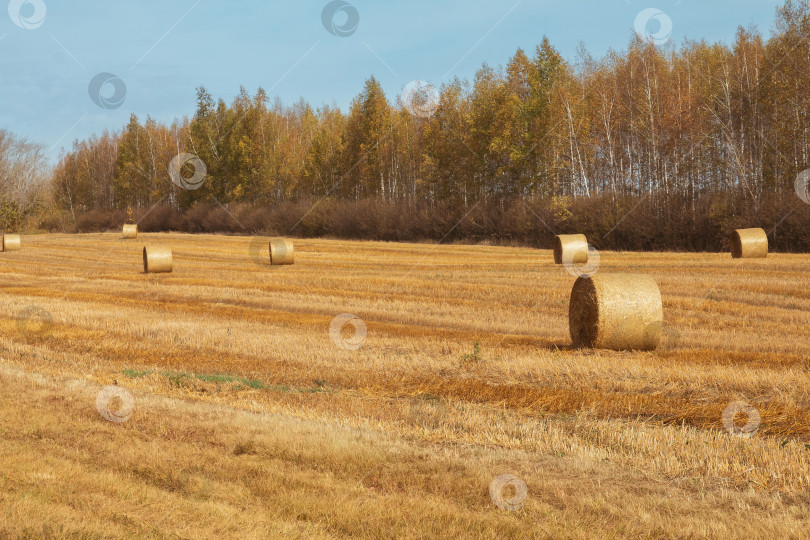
(610, 222)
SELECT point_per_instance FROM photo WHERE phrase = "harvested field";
(252, 419)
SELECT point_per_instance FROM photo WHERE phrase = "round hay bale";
(11, 242)
(130, 231)
(749, 244)
(281, 251)
(157, 259)
(616, 311)
(570, 249)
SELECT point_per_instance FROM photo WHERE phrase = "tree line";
(679, 142)
(24, 178)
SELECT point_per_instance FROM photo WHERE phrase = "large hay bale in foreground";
(616, 311)
(281, 251)
(11, 242)
(570, 249)
(749, 244)
(157, 259)
(130, 231)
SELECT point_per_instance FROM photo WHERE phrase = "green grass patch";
(183, 378)
(473, 357)
(178, 378)
(428, 397)
(136, 373)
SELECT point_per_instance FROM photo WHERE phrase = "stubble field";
(250, 419)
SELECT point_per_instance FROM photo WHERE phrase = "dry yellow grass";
(250, 420)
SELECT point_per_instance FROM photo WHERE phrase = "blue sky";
(163, 50)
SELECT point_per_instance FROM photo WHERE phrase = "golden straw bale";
(570, 249)
(749, 244)
(281, 251)
(157, 259)
(11, 242)
(130, 231)
(616, 311)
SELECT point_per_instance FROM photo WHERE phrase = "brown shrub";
(610, 221)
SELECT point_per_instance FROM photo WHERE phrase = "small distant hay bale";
(281, 251)
(570, 249)
(130, 231)
(11, 242)
(157, 259)
(749, 244)
(616, 311)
